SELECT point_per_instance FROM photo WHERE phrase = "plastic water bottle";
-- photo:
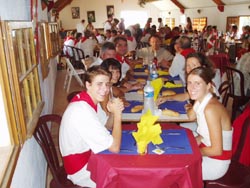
(153, 72)
(148, 98)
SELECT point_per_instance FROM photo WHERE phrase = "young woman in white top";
(214, 124)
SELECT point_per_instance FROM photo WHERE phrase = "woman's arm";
(213, 118)
(176, 97)
(116, 107)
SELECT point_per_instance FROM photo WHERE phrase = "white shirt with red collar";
(88, 45)
(82, 131)
(131, 43)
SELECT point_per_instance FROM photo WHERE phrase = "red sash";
(83, 39)
(226, 154)
(75, 162)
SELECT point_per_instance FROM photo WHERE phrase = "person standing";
(108, 23)
(80, 27)
(83, 130)
(121, 26)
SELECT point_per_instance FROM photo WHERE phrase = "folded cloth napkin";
(147, 132)
(157, 85)
(162, 73)
(172, 85)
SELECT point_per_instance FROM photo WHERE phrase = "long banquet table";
(134, 98)
(176, 168)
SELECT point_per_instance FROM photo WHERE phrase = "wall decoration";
(75, 12)
(110, 10)
(91, 16)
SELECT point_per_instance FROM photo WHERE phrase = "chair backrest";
(43, 137)
(75, 55)
(223, 91)
(241, 137)
(78, 54)
(236, 87)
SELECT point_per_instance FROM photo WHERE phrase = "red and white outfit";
(131, 43)
(88, 45)
(216, 166)
(82, 131)
(125, 65)
(69, 41)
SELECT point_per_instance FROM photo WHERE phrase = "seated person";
(214, 124)
(88, 44)
(114, 67)
(164, 57)
(82, 129)
(107, 51)
(127, 65)
(193, 60)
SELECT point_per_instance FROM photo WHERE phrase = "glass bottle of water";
(148, 98)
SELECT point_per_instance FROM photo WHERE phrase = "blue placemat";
(177, 106)
(132, 104)
(139, 69)
(175, 141)
(128, 146)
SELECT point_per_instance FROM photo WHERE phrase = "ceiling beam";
(220, 5)
(179, 5)
(60, 4)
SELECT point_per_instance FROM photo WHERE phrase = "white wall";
(215, 17)
(31, 168)
(99, 6)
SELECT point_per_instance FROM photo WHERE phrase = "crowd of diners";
(92, 121)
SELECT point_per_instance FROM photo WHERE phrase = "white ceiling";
(189, 4)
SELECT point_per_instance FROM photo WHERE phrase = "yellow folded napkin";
(157, 85)
(147, 132)
(138, 66)
(172, 85)
(162, 73)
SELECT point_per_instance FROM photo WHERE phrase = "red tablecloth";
(154, 171)
(220, 60)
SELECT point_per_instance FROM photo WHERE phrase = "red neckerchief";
(130, 39)
(76, 41)
(187, 51)
(69, 38)
(97, 35)
(84, 96)
(121, 59)
(83, 39)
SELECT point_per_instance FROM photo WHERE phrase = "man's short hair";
(185, 42)
(107, 46)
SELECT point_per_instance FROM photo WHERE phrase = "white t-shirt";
(178, 67)
(88, 47)
(82, 129)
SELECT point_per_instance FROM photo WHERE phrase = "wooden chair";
(71, 71)
(238, 174)
(223, 91)
(239, 99)
(44, 139)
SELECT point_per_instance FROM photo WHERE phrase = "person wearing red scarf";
(82, 130)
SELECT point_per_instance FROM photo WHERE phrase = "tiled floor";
(60, 104)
